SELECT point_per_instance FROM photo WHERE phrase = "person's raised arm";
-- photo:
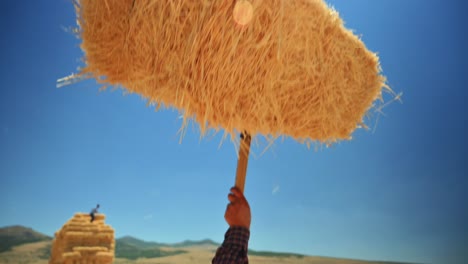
(236, 240)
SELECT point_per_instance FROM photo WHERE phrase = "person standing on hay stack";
(236, 240)
(93, 212)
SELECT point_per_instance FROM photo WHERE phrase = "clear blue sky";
(399, 193)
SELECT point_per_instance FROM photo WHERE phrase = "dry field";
(204, 254)
(31, 253)
(25, 254)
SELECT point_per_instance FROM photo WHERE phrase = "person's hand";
(238, 210)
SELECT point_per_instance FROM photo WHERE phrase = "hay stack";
(80, 241)
(293, 70)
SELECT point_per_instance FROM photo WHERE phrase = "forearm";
(234, 248)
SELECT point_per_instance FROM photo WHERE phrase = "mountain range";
(20, 244)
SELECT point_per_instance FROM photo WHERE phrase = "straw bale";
(105, 235)
(294, 70)
(71, 255)
(90, 249)
(81, 240)
(72, 234)
(104, 255)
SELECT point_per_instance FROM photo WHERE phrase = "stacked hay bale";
(80, 241)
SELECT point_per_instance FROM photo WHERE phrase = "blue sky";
(396, 193)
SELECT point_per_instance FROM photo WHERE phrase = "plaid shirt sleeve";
(234, 248)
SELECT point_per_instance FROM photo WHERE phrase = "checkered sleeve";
(234, 248)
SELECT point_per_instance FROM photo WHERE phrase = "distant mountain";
(192, 243)
(129, 240)
(132, 248)
(138, 243)
(11, 236)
